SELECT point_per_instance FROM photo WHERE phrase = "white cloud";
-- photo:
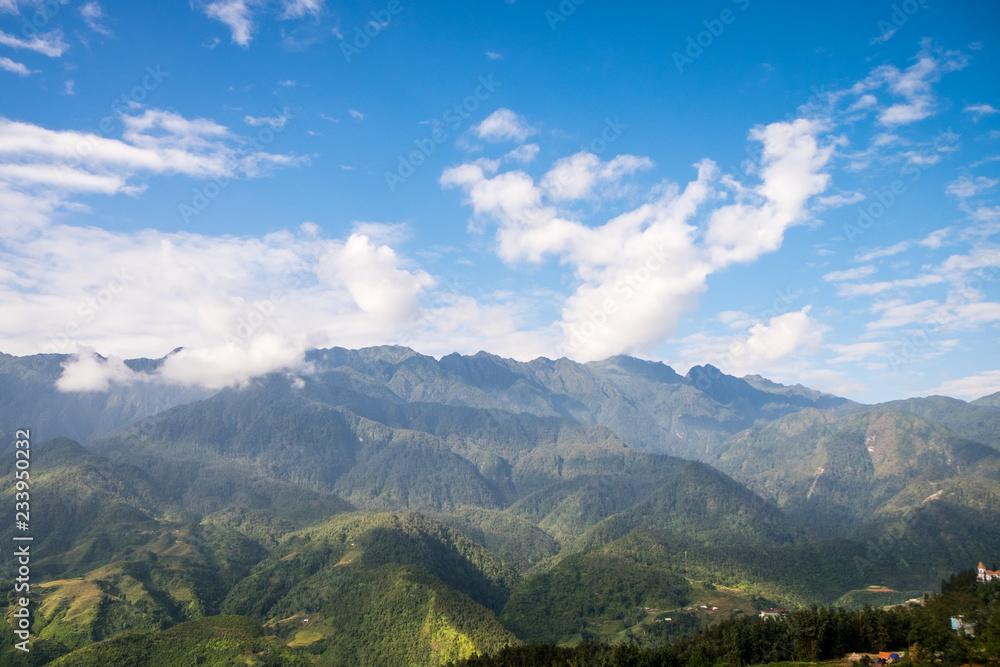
(504, 125)
(640, 271)
(94, 16)
(49, 166)
(965, 187)
(854, 289)
(382, 233)
(523, 154)
(90, 372)
(922, 159)
(884, 37)
(850, 274)
(966, 312)
(48, 44)
(935, 239)
(838, 200)
(857, 352)
(971, 387)
(493, 55)
(239, 306)
(356, 115)
(237, 15)
(896, 313)
(979, 110)
(866, 101)
(15, 67)
(383, 292)
(70, 87)
(296, 9)
(273, 121)
(914, 84)
(957, 267)
(882, 252)
(764, 347)
(222, 364)
(575, 177)
(791, 173)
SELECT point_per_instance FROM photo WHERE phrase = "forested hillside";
(389, 508)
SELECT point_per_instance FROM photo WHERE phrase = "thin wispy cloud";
(94, 17)
(11, 66)
(978, 111)
(242, 17)
(49, 44)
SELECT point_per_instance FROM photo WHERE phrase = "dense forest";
(920, 633)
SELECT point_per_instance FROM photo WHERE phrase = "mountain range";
(386, 507)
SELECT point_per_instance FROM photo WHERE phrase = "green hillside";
(380, 589)
(390, 508)
(834, 472)
(219, 640)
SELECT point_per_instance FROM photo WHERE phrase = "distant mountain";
(978, 420)
(991, 401)
(29, 399)
(833, 472)
(646, 404)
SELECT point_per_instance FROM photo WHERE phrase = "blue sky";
(805, 192)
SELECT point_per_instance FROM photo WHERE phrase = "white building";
(983, 575)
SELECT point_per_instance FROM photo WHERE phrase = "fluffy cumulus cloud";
(771, 345)
(239, 306)
(577, 176)
(637, 272)
(504, 125)
(383, 292)
(640, 271)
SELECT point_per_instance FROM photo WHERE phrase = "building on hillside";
(776, 612)
(983, 575)
(960, 625)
